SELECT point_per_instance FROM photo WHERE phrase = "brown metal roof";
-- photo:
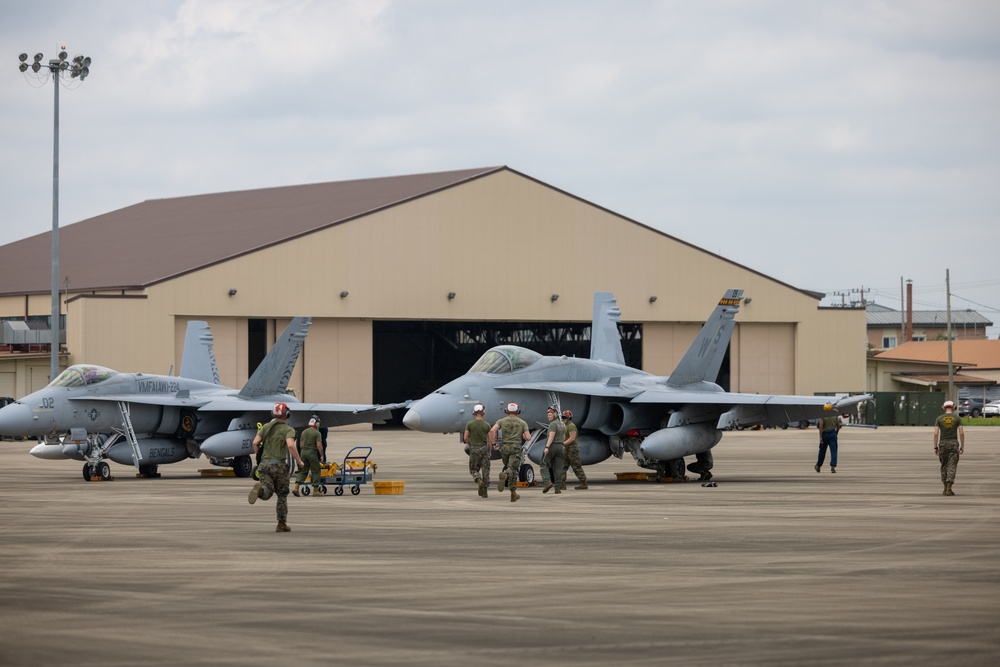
(160, 239)
(983, 354)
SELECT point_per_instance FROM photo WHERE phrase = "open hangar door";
(413, 358)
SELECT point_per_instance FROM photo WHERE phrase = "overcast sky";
(831, 145)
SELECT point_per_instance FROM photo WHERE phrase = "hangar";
(408, 280)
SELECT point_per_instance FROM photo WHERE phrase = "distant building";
(923, 366)
(886, 326)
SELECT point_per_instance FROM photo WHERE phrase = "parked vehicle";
(971, 406)
(992, 409)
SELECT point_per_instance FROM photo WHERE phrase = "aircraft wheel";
(526, 473)
(242, 466)
(86, 472)
(322, 489)
(339, 491)
(355, 490)
(784, 426)
(104, 470)
(305, 491)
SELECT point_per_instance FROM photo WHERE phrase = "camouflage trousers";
(479, 462)
(274, 482)
(702, 465)
(512, 455)
(310, 457)
(555, 459)
(573, 461)
(948, 455)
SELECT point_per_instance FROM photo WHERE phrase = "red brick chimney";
(909, 312)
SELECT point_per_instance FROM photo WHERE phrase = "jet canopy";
(504, 359)
(82, 375)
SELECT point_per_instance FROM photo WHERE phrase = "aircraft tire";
(526, 473)
(243, 466)
(104, 470)
(86, 472)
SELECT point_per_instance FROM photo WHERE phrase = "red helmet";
(279, 410)
(314, 422)
(567, 414)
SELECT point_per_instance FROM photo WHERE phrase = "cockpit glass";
(81, 376)
(504, 359)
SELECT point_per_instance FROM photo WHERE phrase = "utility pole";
(78, 68)
(951, 367)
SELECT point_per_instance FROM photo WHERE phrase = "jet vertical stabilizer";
(198, 362)
(273, 374)
(605, 341)
(704, 358)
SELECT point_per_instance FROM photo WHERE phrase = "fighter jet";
(91, 413)
(658, 420)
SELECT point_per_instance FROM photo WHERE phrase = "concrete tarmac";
(778, 565)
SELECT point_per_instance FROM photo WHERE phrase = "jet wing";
(330, 414)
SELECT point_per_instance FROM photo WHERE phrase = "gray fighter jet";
(658, 420)
(91, 413)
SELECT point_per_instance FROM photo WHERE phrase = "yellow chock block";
(217, 472)
(388, 488)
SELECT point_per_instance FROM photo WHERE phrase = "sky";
(839, 147)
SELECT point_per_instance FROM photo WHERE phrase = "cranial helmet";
(567, 414)
(948, 404)
(314, 422)
(477, 408)
(513, 408)
(279, 410)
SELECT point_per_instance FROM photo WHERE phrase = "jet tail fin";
(273, 374)
(704, 358)
(605, 341)
(198, 362)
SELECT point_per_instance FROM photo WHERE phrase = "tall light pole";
(79, 67)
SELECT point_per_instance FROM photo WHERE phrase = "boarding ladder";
(129, 432)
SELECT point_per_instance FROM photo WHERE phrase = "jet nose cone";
(16, 420)
(412, 419)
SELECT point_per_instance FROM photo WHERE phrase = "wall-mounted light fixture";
(652, 299)
(343, 295)
(232, 292)
(555, 297)
(451, 295)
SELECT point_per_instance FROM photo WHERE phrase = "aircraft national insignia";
(93, 414)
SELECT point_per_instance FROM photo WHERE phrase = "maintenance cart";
(353, 472)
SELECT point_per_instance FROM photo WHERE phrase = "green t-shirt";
(556, 426)
(273, 439)
(948, 426)
(479, 430)
(512, 427)
(309, 438)
(570, 428)
(830, 423)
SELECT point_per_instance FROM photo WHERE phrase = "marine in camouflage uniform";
(515, 432)
(949, 443)
(555, 453)
(311, 451)
(702, 465)
(572, 453)
(477, 437)
(277, 439)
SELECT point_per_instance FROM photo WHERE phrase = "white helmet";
(948, 404)
(477, 408)
(513, 408)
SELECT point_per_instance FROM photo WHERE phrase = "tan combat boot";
(482, 488)
(514, 496)
(582, 485)
(282, 528)
(503, 481)
(295, 490)
(947, 489)
(255, 493)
